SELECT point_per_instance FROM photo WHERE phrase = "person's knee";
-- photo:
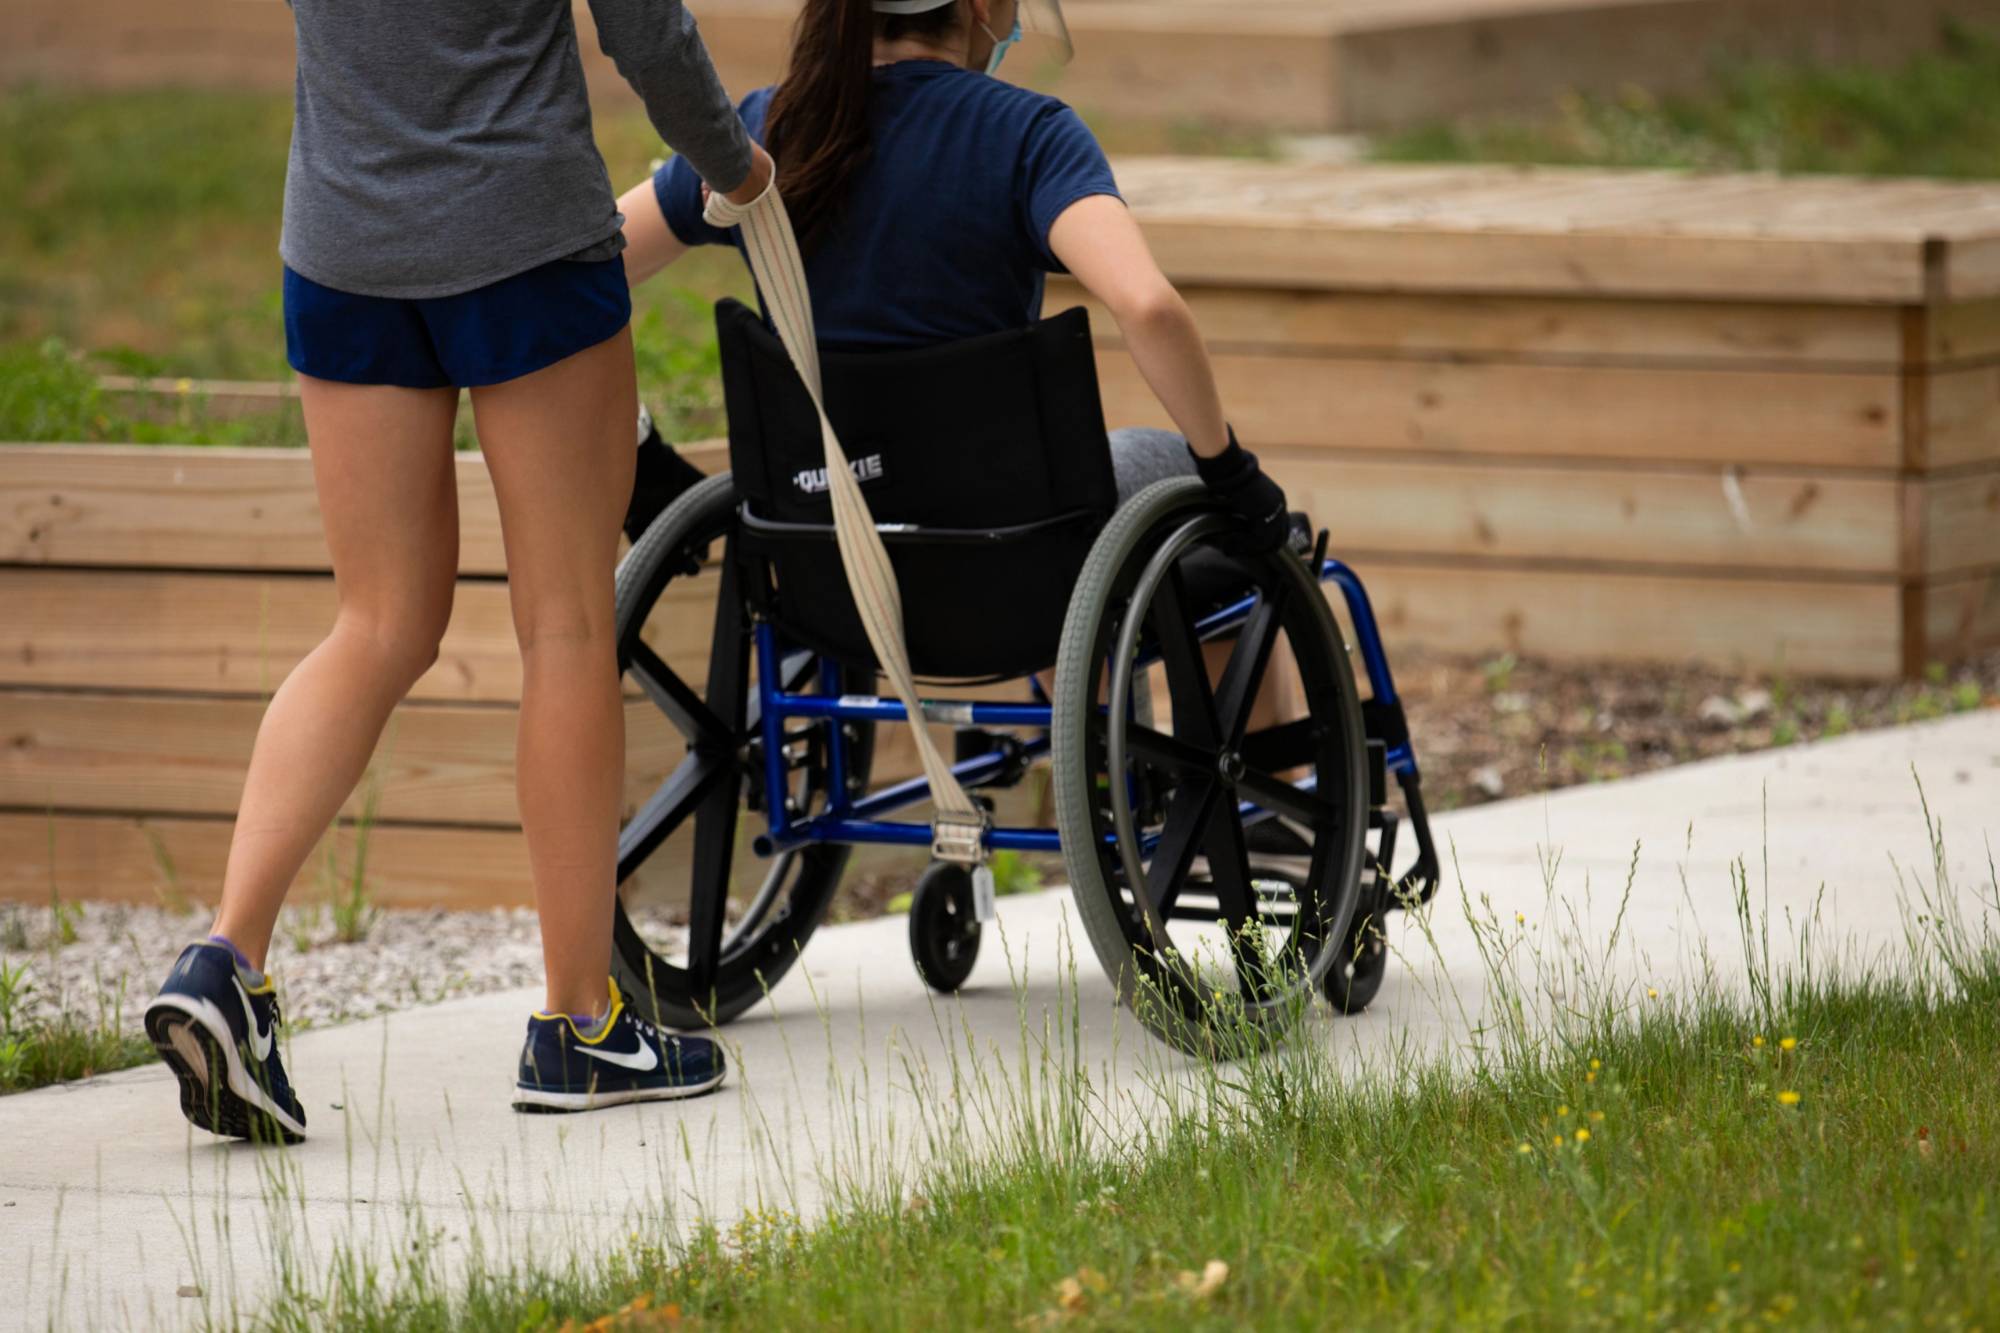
(560, 624)
(403, 640)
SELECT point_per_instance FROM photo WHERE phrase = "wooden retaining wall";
(1647, 416)
(1735, 419)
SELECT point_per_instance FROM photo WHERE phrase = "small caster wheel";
(1357, 973)
(944, 929)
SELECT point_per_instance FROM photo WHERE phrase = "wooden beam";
(1965, 332)
(175, 861)
(1554, 330)
(1727, 519)
(435, 764)
(241, 633)
(1961, 523)
(1961, 617)
(205, 508)
(1963, 417)
(1817, 627)
(1776, 419)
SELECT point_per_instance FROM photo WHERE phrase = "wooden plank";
(435, 764)
(1965, 331)
(1963, 416)
(151, 858)
(203, 508)
(1961, 523)
(1973, 272)
(241, 633)
(154, 860)
(1961, 617)
(1834, 628)
(1726, 519)
(1564, 330)
(1780, 419)
(1402, 258)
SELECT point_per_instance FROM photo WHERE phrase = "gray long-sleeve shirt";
(440, 145)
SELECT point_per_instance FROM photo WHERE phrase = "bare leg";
(382, 464)
(559, 445)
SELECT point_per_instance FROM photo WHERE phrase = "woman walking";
(450, 225)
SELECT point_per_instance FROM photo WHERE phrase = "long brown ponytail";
(817, 126)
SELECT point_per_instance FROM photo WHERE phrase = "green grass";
(1819, 1148)
(74, 1043)
(1936, 115)
(140, 237)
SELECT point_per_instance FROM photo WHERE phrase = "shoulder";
(754, 108)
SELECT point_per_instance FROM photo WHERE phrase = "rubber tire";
(1356, 975)
(944, 932)
(641, 579)
(1074, 779)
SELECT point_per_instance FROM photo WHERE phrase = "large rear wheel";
(1212, 954)
(704, 927)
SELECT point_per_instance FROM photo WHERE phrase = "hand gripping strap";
(957, 833)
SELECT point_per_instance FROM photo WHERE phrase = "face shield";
(1043, 36)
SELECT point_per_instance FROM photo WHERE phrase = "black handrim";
(1277, 934)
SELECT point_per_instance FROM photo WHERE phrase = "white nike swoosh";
(260, 1042)
(643, 1060)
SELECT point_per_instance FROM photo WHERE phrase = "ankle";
(243, 958)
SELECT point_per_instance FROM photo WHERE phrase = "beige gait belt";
(958, 831)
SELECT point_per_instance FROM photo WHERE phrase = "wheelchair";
(987, 467)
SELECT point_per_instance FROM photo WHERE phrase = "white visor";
(1044, 35)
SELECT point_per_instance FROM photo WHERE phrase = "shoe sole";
(534, 1101)
(194, 1041)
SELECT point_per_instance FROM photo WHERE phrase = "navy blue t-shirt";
(944, 231)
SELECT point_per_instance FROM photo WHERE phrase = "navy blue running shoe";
(626, 1059)
(219, 1034)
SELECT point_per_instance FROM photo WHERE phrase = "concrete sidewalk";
(112, 1211)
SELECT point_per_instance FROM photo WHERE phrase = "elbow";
(1153, 308)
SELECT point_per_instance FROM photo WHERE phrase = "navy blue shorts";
(489, 335)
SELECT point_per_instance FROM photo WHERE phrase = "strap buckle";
(960, 838)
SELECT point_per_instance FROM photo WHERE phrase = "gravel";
(120, 953)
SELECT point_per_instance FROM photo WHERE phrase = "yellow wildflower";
(1652, 994)
(1596, 1115)
(1525, 1147)
(1583, 1136)
(1757, 1041)
(1788, 1098)
(1590, 1078)
(1561, 1111)
(1788, 1043)
(1594, 1065)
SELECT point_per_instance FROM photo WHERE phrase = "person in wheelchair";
(884, 100)
(931, 200)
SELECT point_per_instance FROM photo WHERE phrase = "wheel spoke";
(715, 823)
(1168, 752)
(1237, 694)
(1187, 816)
(1236, 896)
(672, 696)
(1285, 799)
(1287, 745)
(668, 808)
(1187, 673)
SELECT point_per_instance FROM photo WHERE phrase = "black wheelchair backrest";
(985, 459)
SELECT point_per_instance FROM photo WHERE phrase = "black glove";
(1240, 484)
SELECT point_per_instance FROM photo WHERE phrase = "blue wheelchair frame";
(849, 819)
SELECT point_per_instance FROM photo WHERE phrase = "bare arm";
(1099, 241)
(650, 244)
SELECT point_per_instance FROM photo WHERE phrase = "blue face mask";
(1000, 44)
